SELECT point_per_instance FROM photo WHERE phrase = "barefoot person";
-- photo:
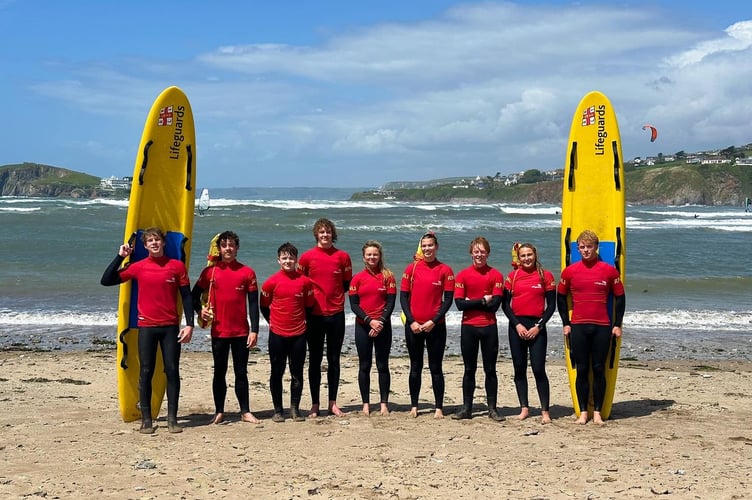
(529, 302)
(589, 283)
(426, 294)
(330, 269)
(161, 280)
(233, 298)
(286, 301)
(372, 296)
(478, 294)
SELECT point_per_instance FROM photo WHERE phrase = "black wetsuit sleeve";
(563, 307)
(391, 299)
(355, 307)
(196, 297)
(494, 304)
(405, 304)
(506, 306)
(265, 310)
(620, 305)
(469, 304)
(550, 308)
(445, 305)
(111, 275)
(185, 295)
(253, 310)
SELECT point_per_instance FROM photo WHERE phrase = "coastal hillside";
(676, 183)
(34, 179)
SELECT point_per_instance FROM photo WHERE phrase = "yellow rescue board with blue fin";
(162, 195)
(593, 198)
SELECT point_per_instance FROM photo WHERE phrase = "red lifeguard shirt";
(231, 283)
(159, 280)
(474, 283)
(528, 291)
(372, 289)
(287, 295)
(328, 269)
(590, 286)
(427, 283)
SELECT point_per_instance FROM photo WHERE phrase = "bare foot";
(545, 417)
(366, 409)
(583, 418)
(438, 414)
(524, 413)
(250, 418)
(384, 409)
(218, 418)
(334, 409)
(314, 411)
(414, 412)
(597, 418)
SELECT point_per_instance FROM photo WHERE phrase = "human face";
(429, 247)
(287, 262)
(324, 237)
(588, 250)
(479, 256)
(155, 246)
(527, 257)
(371, 257)
(228, 250)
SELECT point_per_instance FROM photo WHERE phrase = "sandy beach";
(678, 430)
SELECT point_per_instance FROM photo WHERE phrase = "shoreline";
(676, 427)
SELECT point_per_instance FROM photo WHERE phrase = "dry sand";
(678, 430)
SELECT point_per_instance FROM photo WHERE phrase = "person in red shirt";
(529, 302)
(590, 282)
(372, 296)
(478, 293)
(233, 298)
(426, 294)
(286, 300)
(330, 269)
(160, 281)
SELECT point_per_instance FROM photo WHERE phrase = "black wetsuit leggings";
(487, 339)
(282, 349)
(590, 345)
(221, 348)
(332, 329)
(519, 349)
(381, 344)
(435, 343)
(149, 338)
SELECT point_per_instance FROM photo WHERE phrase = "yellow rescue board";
(162, 195)
(593, 198)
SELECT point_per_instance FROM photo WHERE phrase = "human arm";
(196, 297)
(446, 303)
(405, 305)
(111, 275)
(253, 314)
(186, 333)
(620, 305)
(562, 305)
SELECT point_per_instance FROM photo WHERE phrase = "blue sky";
(355, 94)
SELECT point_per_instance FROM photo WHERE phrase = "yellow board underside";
(162, 195)
(593, 198)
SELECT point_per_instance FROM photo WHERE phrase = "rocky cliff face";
(31, 179)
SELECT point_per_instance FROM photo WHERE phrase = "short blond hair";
(588, 236)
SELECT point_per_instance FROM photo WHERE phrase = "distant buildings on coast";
(115, 183)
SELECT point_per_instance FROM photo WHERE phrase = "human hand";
(252, 339)
(185, 334)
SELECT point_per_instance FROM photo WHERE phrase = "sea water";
(688, 270)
